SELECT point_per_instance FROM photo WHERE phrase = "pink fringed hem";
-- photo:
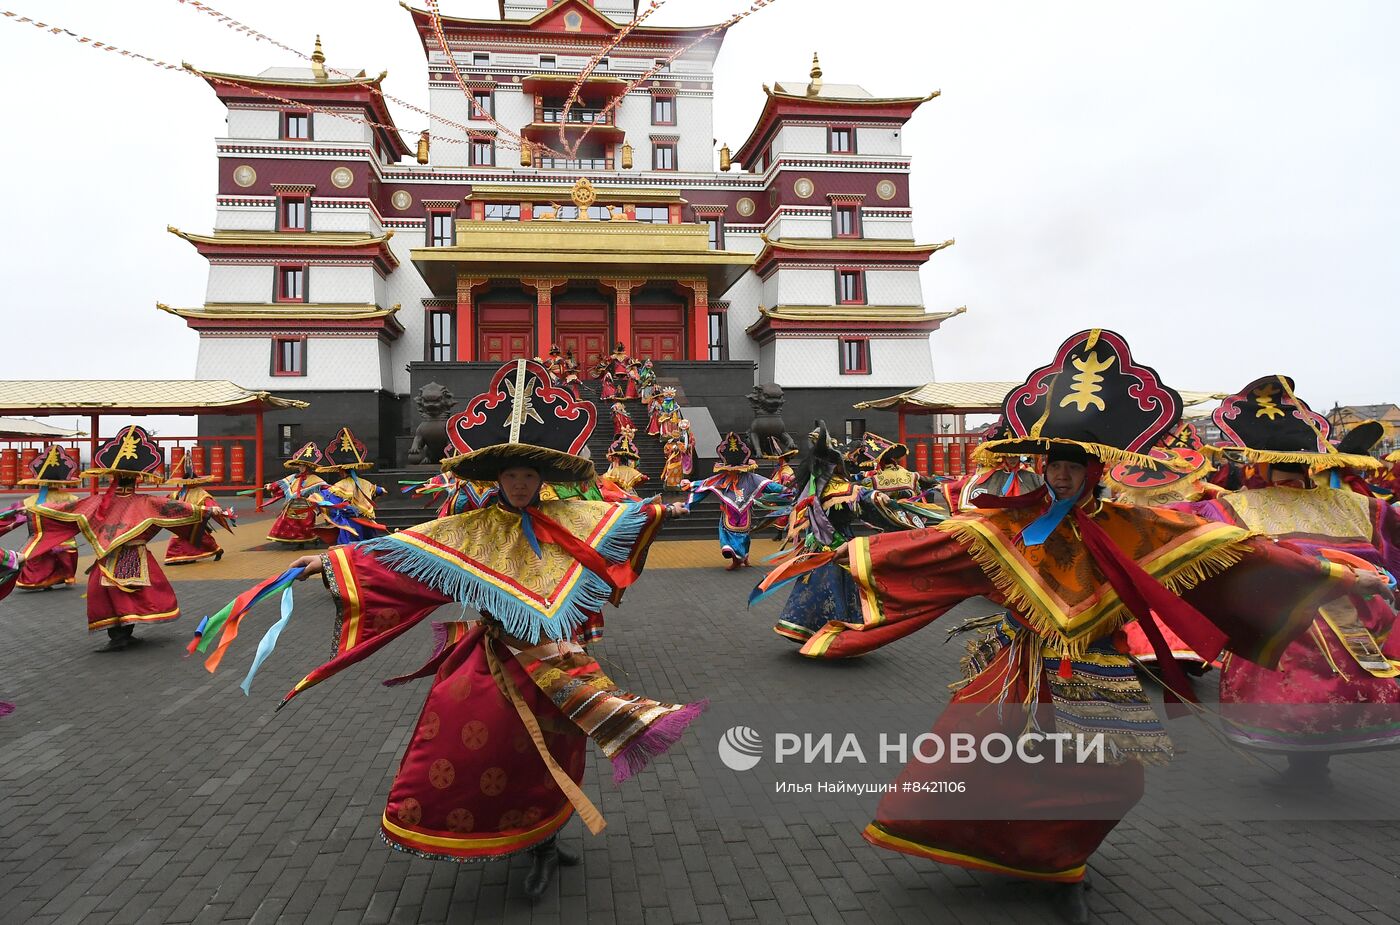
(658, 738)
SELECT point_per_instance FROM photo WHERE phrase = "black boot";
(544, 861)
(1307, 773)
(118, 638)
(1072, 902)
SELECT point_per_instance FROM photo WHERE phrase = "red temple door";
(505, 332)
(584, 330)
(658, 331)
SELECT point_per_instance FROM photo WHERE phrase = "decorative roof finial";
(815, 87)
(318, 61)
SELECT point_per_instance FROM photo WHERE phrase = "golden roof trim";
(285, 311)
(541, 192)
(303, 238)
(901, 245)
(309, 82)
(858, 100)
(856, 313)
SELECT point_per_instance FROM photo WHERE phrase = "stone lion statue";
(434, 403)
(767, 430)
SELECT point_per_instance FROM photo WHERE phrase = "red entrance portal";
(505, 332)
(658, 331)
(584, 330)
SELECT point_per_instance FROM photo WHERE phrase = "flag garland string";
(235, 25)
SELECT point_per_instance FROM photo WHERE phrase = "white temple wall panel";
(325, 127)
(800, 139)
(254, 123)
(767, 364)
(885, 229)
(239, 283)
(893, 287)
(408, 290)
(695, 125)
(328, 219)
(800, 286)
(332, 363)
(744, 298)
(801, 227)
(345, 285)
(246, 218)
(815, 362)
(873, 140)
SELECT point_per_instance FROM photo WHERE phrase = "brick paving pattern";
(137, 788)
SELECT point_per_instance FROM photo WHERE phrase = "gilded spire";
(815, 87)
(318, 61)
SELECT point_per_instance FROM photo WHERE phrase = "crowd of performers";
(1116, 545)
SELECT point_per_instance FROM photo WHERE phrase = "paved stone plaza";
(136, 788)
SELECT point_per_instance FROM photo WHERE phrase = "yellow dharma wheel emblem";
(583, 193)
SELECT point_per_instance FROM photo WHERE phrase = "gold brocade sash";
(1340, 614)
(586, 810)
(1058, 590)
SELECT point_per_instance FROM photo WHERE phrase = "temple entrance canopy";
(616, 265)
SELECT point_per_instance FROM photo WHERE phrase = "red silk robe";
(472, 784)
(1044, 822)
(181, 551)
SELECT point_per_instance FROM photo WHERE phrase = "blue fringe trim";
(518, 617)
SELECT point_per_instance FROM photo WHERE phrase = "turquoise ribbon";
(1039, 530)
(269, 640)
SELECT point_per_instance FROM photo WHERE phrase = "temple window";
(296, 126)
(440, 326)
(440, 229)
(855, 356)
(483, 104)
(663, 110)
(656, 215)
(663, 156)
(483, 154)
(846, 221)
(289, 356)
(291, 284)
(841, 140)
(502, 212)
(850, 287)
(292, 213)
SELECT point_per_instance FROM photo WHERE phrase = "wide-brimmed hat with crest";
(308, 457)
(881, 450)
(623, 447)
(1092, 396)
(57, 467)
(1179, 456)
(345, 451)
(1267, 422)
(522, 419)
(132, 452)
(185, 473)
(734, 454)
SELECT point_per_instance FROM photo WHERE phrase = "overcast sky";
(1215, 180)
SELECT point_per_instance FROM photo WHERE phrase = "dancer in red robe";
(496, 759)
(125, 585)
(53, 472)
(1070, 569)
(1336, 688)
(191, 491)
(296, 522)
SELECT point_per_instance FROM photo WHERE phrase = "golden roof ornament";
(318, 61)
(724, 157)
(423, 146)
(815, 87)
(583, 196)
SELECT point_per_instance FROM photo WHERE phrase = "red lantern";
(9, 466)
(238, 470)
(216, 463)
